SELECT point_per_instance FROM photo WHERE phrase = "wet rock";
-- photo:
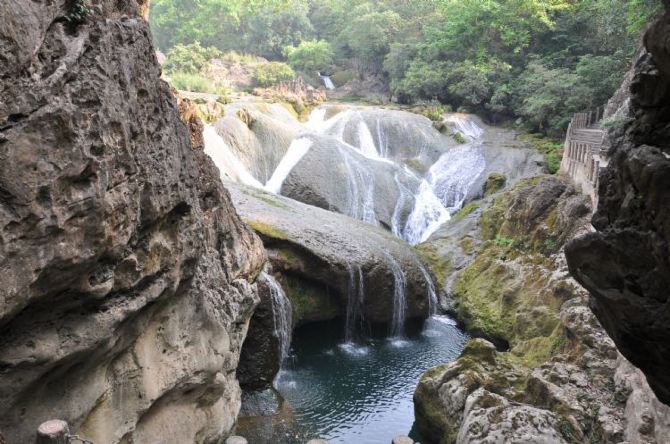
(624, 264)
(260, 357)
(127, 276)
(318, 249)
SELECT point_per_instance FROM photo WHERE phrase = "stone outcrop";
(558, 382)
(625, 263)
(318, 254)
(126, 284)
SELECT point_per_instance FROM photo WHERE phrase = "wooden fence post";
(54, 431)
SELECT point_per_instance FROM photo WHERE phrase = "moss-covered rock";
(494, 183)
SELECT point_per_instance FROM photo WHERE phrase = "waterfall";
(366, 143)
(399, 303)
(428, 214)
(467, 127)
(403, 197)
(228, 164)
(355, 299)
(327, 82)
(361, 190)
(452, 176)
(317, 120)
(430, 290)
(383, 140)
(294, 154)
(282, 314)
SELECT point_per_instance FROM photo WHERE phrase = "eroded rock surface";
(625, 264)
(319, 253)
(559, 380)
(126, 283)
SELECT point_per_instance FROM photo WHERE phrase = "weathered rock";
(236, 440)
(440, 397)
(126, 274)
(261, 354)
(561, 365)
(625, 263)
(322, 250)
(492, 419)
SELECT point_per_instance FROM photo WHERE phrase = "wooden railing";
(583, 155)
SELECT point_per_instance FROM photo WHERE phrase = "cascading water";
(452, 176)
(228, 164)
(365, 141)
(428, 215)
(404, 194)
(355, 300)
(465, 126)
(297, 150)
(361, 189)
(327, 82)
(399, 302)
(430, 290)
(282, 314)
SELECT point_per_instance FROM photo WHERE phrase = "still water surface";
(361, 393)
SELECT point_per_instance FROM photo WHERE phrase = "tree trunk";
(54, 431)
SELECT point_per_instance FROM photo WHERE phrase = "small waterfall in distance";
(282, 314)
(327, 82)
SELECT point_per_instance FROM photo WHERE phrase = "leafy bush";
(271, 73)
(343, 77)
(310, 56)
(503, 241)
(191, 82)
(189, 59)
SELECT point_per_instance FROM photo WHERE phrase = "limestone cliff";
(625, 264)
(126, 281)
(562, 380)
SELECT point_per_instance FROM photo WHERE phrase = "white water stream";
(282, 314)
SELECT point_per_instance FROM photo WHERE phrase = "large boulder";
(126, 273)
(320, 253)
(624, 264)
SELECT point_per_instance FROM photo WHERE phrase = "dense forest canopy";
(535, 61)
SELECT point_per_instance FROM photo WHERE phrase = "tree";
(190, 59)
(271, 73)
(310, 56)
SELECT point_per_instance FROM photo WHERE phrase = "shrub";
(190, 59)
(310, 56)
(271, 73)
(191, 82)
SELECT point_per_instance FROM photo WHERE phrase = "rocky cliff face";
(126, 284)
(562, 379)
(625, 264)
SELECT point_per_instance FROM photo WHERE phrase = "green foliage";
(78, 13)
(458, 137)
(310, 56)
(271, 73)
(551, 148)
(191, 82)
(536, 61)
(190, 59)
(503, 241)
